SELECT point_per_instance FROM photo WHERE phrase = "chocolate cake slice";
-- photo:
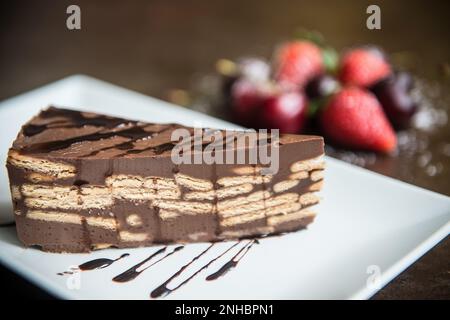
(83, 181)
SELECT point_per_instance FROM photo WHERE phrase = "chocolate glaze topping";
(55, 129)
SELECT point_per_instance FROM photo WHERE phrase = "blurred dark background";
(151, 46)
(154, 46)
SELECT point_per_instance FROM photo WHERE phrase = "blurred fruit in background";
(354, 100)
(285, 111)
(322, 86)
(363, 67)
(253, 71)
(247, 98)
(354, 118)
(253, 68)
(394, 94)
(297, 62)
(310, 100)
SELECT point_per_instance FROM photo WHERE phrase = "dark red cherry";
(285, 111)
(394, 94)
(321, 86)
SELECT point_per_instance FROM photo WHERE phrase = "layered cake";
(83, 181)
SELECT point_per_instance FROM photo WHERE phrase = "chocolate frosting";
(100, 145)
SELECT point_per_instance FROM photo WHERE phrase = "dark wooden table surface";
(154, 46)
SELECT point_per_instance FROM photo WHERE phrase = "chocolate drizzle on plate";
(100, 263)
(232, 262)
(163, 290)
(133, 272)
(95, 264)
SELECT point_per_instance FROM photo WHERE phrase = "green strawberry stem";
(330, 59)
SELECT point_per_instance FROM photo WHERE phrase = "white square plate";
(369, 227)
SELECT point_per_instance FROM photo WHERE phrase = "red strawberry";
(298, 62)
(363, 67)
(354, 118)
